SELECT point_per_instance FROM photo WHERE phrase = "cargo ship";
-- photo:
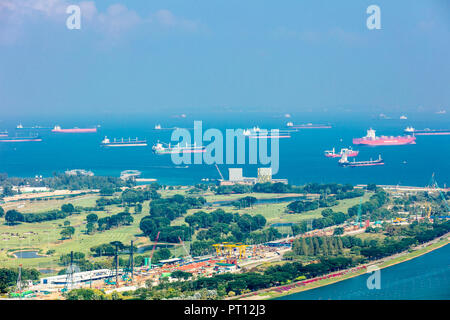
(258, 133)
(3, 133)
(349, 152)
(372, 140)
(124, 142)
(343, 162)
(20, 126)
(164, 148)
(34, 138)
(308, 126)
(58, 129)
(427, 131)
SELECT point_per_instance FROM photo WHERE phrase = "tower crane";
(188, 256)
(153, 250)
(220, 173)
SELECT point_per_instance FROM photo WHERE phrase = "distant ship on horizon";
(4, 133)
(307, 126)
(372, 140)
(58, 129)
(258, 133)
(124, 142)
(29, 138)
(159, 148)
(427, 131)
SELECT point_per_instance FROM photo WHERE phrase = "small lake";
(150, 247)
(27, 254)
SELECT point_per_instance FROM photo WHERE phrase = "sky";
(169, 56)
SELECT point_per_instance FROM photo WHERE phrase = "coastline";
(271, 293)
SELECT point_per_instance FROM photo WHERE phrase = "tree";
(90, 228)
(338, 231)
(67, 232)
(91, 218)
(2, 212)
(66, 223)
(68, 208)
(13, 216)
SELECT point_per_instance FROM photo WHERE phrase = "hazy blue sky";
(186, 56)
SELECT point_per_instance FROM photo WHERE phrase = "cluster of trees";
(8, 277)
(417, 233)
(114, 221)
(245, 202)
(220, 225)
(372, 209)
(329, 218)
(133, 196)
(300, 206)
(62, 181)
(14, 216)
(314, 246)
(163, 211)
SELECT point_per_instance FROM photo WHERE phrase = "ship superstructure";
(349, 152)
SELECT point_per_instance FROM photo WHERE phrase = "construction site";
(228, 257)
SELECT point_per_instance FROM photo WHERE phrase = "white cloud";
(115, 20)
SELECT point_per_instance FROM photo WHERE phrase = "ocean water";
(301, 157)
(424, 278)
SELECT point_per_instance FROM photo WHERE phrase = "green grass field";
(45, 236)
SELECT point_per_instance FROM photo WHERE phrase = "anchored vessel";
(74, 130)
(349, 152)
(29, 138)
(345, 163)
(3, 133)
(308, 126)
(372, 140)
(258, 133)
(164, 148)
(124, 142)
(427, 131)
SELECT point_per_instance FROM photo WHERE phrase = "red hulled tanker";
(372, 140)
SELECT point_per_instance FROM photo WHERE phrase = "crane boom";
(220, 173)
(153, 250)
(184, 247)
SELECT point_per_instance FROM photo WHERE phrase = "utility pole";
(19, 281)
(117, 265)
(131, 260)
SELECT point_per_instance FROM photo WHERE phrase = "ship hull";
(396, 141)
(267, 137)
(21, 140)
(125, 145)
(336, 155)
(89, 130)
(180, 151)
(361, 164)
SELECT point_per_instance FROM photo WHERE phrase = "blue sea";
(301, 157)
(424, 278)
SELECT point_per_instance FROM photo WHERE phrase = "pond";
(150, 247)
(27, 254)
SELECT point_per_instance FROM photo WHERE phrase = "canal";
(425, 277)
